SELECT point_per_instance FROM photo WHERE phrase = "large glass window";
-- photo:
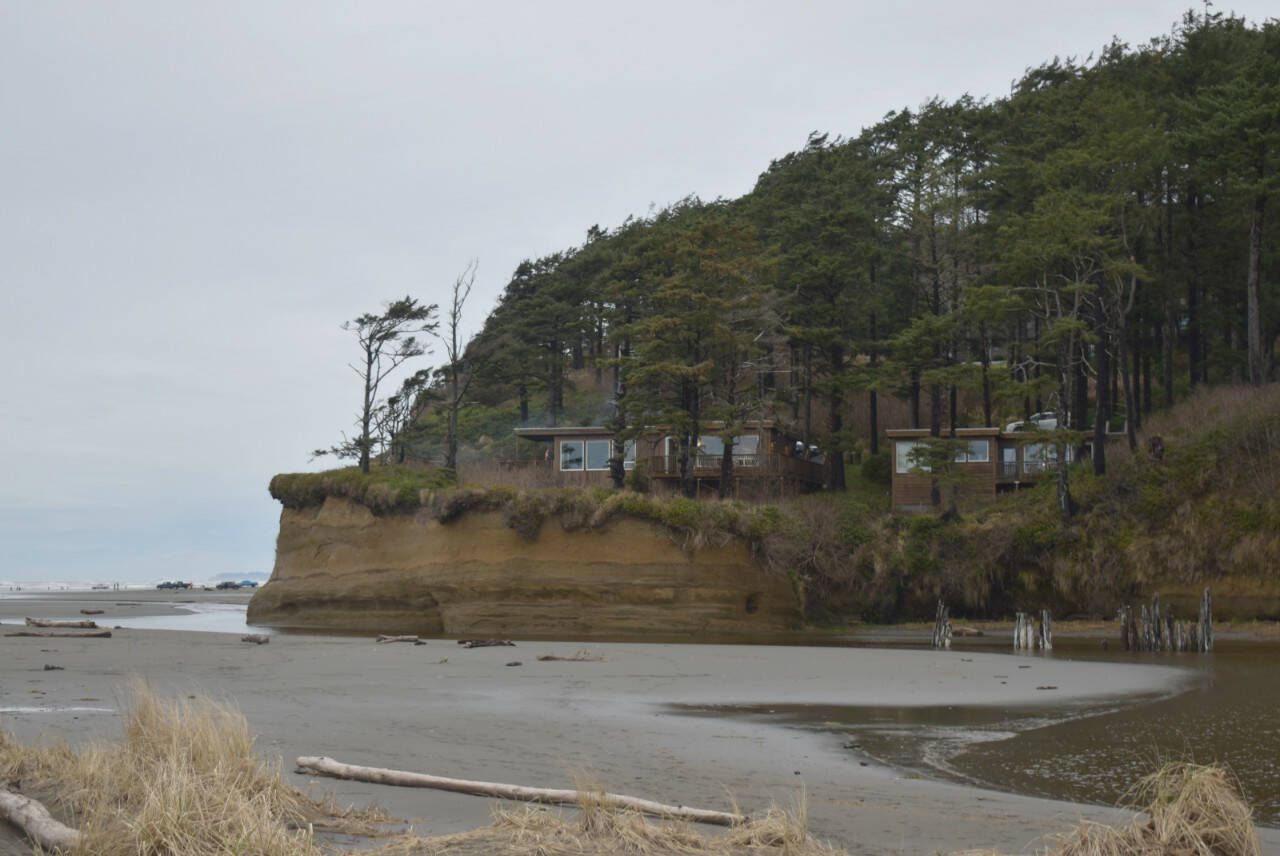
(571, 454)
(903, 459)
(710, 446)
(598, 454)
(974, 452)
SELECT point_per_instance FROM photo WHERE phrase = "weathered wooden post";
(1019, 621)
(1157, 637)
(1205, 626)
(942, 626)
(1046, 630)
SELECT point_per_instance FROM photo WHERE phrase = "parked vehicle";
(1046, 420)
(248, 584)
(173, 584)
(228, 584)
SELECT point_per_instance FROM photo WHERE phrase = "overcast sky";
(193, 196)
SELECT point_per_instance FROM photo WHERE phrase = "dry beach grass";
(184, 779)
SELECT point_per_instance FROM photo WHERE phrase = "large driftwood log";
(383, 639)
(555, 796)
(69, 634)
(36, 822)
(83, 624)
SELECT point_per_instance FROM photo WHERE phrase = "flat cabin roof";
(960, 432)
(552, 432)
(564, 430)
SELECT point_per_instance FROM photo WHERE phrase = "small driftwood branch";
(83, 624)
(69, 634)
(582, 656)
(36, 822)
(554, 796)
(256, 638)
(384, 639)
(486, 643)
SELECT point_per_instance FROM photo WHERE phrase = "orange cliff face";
(338, 566)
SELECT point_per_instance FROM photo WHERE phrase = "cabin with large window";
(765, 459)
(990, 461)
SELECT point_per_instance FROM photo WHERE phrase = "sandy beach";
(473, 713)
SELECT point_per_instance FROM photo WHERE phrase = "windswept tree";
(386, 342)
(455, 378)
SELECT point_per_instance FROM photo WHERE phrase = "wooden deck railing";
(755, 465)
(1015, 470)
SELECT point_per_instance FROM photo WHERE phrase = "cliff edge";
(340, 566)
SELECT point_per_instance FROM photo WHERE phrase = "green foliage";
(878, 468)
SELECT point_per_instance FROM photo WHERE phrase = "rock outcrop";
(338, 566)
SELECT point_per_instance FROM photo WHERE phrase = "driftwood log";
(91, 612)
(554, 796)
(486, 643)
(36, 822)
(68, 634)
(83, 624)
(384, 638)
(256, 638)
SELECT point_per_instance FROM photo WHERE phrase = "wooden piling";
(942, 626)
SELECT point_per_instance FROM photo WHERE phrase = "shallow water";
(1087, 752)
(190, 616)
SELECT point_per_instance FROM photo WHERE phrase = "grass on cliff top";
(383, 489)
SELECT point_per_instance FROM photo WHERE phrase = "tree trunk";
(835, 423)
(366, 412)
(914, 398)
(1257, 367)
(554, 796)
(1102, 396)
(1195, 340)
(555, 387)
(451, 433)
(1130, 409)
(873, 415)
(523, 391)
(984, 345)
(726, 470)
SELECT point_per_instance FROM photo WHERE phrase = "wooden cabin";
(992, 461)
(766, 459)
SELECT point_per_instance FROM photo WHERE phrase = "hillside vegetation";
(1096, 243)
(1206, 512)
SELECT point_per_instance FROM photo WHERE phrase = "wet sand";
(447, 710)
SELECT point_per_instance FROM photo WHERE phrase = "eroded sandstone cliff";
(339, 566)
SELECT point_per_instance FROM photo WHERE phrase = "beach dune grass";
(1190, 809)
(185, 779)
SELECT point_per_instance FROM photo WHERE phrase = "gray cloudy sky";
(194, 195)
